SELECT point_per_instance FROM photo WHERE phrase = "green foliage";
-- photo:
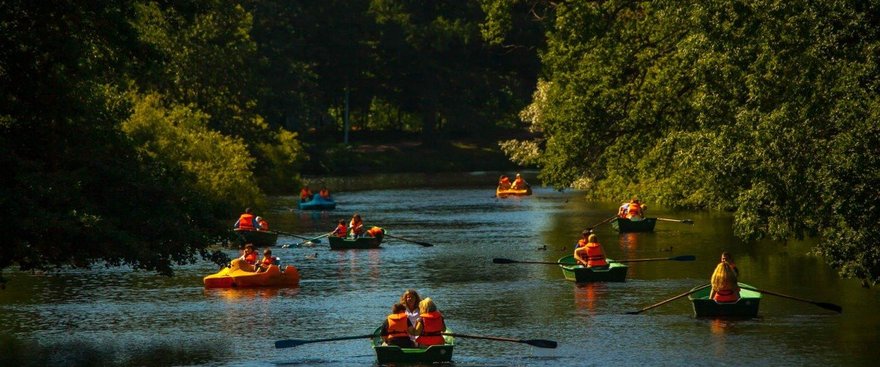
(756, 107)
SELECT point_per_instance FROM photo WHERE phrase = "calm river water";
(117, 316)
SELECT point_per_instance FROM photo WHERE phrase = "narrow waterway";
(115, 315)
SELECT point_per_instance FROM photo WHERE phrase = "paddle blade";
(687, 221)
(829, 306)
(289, 343)
(541, 343)
(683, 258)
(503, 261)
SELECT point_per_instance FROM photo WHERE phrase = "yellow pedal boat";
(238, 275)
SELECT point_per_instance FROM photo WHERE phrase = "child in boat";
(341, 230)
(430, 326)
(262, 224)
(395, 330)
(267, 260)
(724, 285)
(591, 255)
(503, 183)
(728, 258)
(249, 256)
(356, 226)
(585, 238)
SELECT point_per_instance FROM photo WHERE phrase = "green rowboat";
(746, 306)
(258, 238)
(616, 272)
(394, 354)
(624, 225)
(360, 243)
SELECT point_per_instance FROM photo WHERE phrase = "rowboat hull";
(257, 238)
(393, 354)
(746, 306)
(624, 225)
(235, 277)
(317, 203)
(360, 243)
(616, 272)
(511, 192)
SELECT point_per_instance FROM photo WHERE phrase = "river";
(115, 316)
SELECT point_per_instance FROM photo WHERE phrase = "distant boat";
(257, 238)
(513, 192)
(317, 203)
(624, 225)
(360, 243)
(746, 306)
(616, 272)
(386, 354)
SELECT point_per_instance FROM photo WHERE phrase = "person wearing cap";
(262, 224)
(591, 255)
(519, 183)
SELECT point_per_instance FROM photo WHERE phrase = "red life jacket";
(595, 255)
(432, 328)
(634, 210)
(251, 258)
(726, 295)
(375, 231)
(397, 325)
(325, 194)
(264, 225)
(305, 194)
(246, 222)
(340, 231)
(268, 261)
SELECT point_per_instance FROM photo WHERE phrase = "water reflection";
(585, 295)
(236, 295)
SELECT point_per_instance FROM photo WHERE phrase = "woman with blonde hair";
(724, 285)
(430, 326)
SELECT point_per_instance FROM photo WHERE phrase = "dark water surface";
(117, 316)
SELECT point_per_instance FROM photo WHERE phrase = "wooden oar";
(685, 221)
(540, 343)
(294, 235)
(825, 305)
(315, 240)
(676, 258)
(288, 343)
(408, 240)
(661, 303)
(602, 222)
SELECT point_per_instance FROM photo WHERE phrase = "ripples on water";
(117, 316)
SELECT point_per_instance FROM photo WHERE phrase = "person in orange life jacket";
(430, 326)
(267, 260)
(724, 285)
(305, 194)
(341, 230)
(585, 238)
(262, 224)
(504, 183)
(395, 329)
(591, 255)
(519, 183)
(324, 193)
(249, 256)
(376, 232)
(635, 210)
(246, 222)
(728, 258)
(356, 225)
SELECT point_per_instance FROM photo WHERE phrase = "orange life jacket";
(268, 261)
(726, 295)
(325, 194)
(305, 194)
(264, 225)
(356, 227)
(634, 210)
(246, 222)
(250, 258)
(397, 325)
(432, 327)
(375, 231)
(518, 183)
(582, 242)
(340, 231)
(595, 255)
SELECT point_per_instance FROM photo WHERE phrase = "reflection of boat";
(746, 306)
(616, 272)
(317, 203)
(345, 243)
(394, 354)
(513, 192)
(234, 276)
(258, 238)
(626, 225)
